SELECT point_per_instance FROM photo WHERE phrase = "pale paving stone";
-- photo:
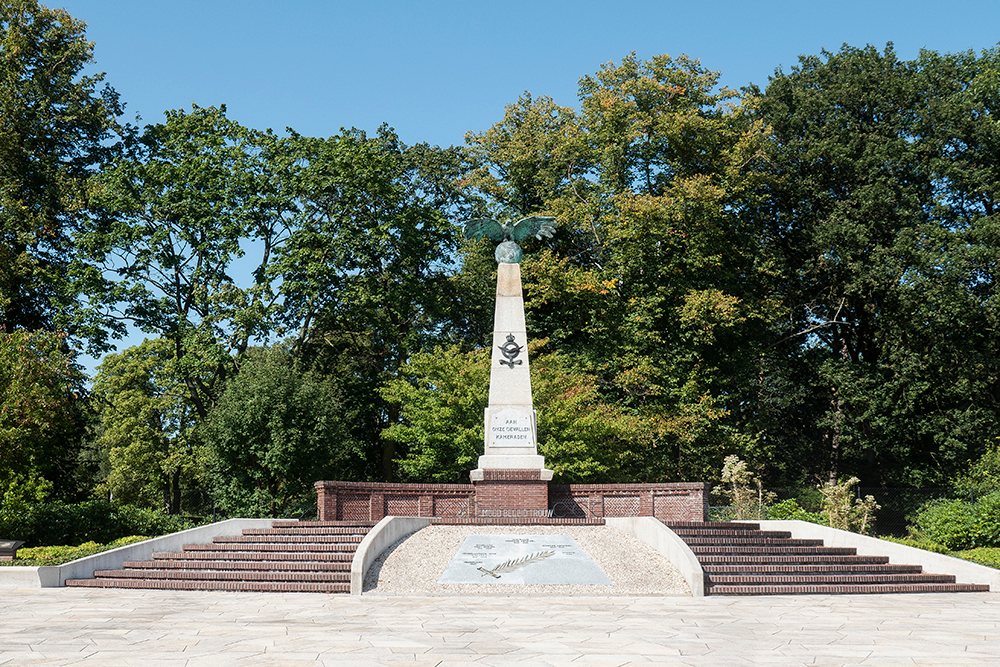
(148, 628)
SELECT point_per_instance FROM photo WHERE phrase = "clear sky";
(435, 69)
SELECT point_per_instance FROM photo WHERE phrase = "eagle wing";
(484, 228)
(534, 225)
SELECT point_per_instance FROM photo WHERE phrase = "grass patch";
(37, 556)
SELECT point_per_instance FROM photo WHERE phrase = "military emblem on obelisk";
(511, 440)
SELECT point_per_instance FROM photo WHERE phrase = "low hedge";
(37, 556)
(989, 556)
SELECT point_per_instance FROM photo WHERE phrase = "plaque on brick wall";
(522, 559)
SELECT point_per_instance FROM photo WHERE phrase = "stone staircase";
(742, 559)
(290, 556)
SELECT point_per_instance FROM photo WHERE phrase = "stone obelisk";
(511, 440)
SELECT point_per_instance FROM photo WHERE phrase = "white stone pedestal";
(511, 440)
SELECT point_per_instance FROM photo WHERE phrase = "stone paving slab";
(67, 626)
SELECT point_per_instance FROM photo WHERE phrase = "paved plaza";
(62, 626)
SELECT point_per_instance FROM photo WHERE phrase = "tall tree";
(365, 271)
(41, 416)
(878, 205)
(57, 126)
(275, 430)
(652, 283)
(179, 216)
(143, 431)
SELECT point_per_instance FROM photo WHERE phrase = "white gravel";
(413, 565)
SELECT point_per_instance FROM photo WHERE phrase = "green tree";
(441, 396)
(653, 283)
(143, 431)
(886, 246)
(178, 216)
(57, 126)
(276, 430)
(365, 272)
(41, 416)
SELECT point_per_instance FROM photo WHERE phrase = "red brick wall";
(372, 501)
(667, 501)
(510, 494)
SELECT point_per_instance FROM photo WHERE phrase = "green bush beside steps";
(38, 556)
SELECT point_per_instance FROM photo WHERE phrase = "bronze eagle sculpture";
(509, 233)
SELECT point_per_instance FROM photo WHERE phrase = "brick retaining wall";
(372, 501)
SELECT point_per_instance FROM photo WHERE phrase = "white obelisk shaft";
(511, 433)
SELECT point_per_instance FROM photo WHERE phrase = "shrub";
(791, 510)
(916, 542)
(58, 523)
(950, 523)
(846, 512)
(743, 490)
(989, 556)
(37, 556)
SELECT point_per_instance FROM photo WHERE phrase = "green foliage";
(877, 200)
(983, 476)
(57, 127)
(176, 213)
(56, 522)
(142, 436)
(365, 270)
(40, 415)
(989, 556)
(844, 510)
(441, 396)
(275, 431)
(742, 490)
(790, 509)
(918, 543)
(959, 524)
(40, 556)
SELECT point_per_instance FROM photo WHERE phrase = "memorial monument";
(510, 484)
(511, 476)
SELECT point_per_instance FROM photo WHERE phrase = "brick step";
(845, 589)
(801, 579)
(847, 568)
(322, 524)
(772, 551)
(804, 559)
(255, 555)
(752, 541)
(223, 575)
(514, 521)
(288, 539)
(267, 547)
(246, 586)
(349, 530)
(728, 525)
(240, 566)
(725, 532)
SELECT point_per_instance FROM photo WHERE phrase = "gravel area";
(413, 565)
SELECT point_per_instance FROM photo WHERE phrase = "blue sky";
(435, 69)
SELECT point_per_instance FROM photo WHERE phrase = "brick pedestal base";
(511, 493)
